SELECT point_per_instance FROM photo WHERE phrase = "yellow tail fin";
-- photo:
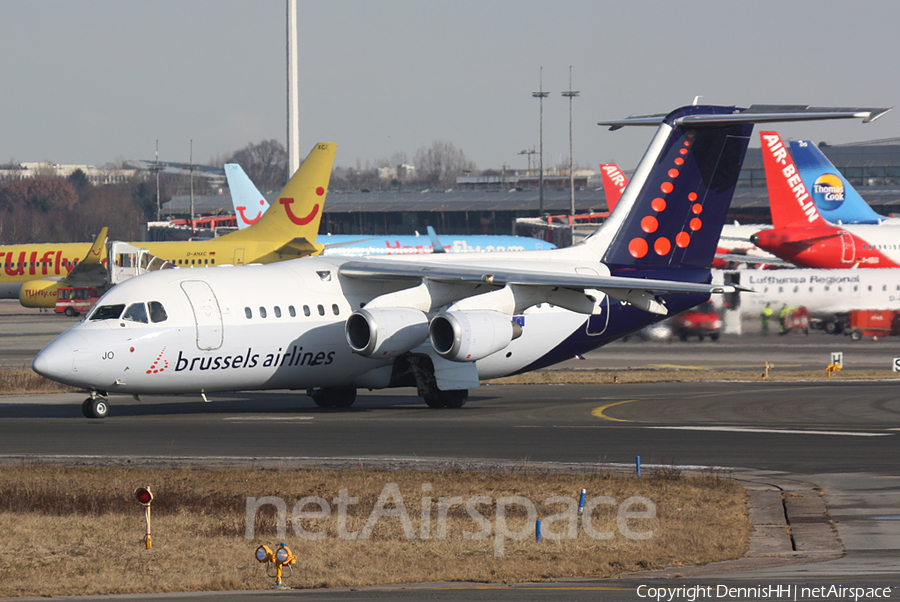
(297, 211)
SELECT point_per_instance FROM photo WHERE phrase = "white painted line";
(268, 418)
(740, 429)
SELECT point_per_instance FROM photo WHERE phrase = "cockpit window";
(157, 312)
(136, 312)
(108, 312)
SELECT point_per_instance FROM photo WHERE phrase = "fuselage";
(282, 326)
(822, 292)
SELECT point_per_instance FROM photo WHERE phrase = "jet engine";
(466, 336)
(384, 333)
(40, 293)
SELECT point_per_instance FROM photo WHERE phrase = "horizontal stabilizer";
(300, 247)
(756, 114)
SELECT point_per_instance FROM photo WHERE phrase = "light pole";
(529, 153)
(570, 94)
(542, 95)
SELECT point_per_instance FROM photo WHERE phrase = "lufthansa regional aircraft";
(34, 272)
(438, 322)
(250, 205)
(800, 234)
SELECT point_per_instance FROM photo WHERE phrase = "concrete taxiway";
(840, 439)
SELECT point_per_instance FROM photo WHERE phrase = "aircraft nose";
(56, 361)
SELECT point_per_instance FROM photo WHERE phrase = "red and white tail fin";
(789, 200)
(614, 183)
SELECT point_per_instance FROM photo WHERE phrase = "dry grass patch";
(27, 382)
(78, 530)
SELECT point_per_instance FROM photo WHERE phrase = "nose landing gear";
(95, 406)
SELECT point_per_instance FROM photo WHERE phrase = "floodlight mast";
(541, 95)
(570, 94)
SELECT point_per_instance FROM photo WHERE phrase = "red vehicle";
(871, 323)
(702, 321)
(75, 300)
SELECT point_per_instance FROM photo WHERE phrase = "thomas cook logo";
(828, 191)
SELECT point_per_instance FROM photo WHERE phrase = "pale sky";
(95, 81)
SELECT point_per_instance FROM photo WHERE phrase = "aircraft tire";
(456, 399)
(447, 399)
(86, 407)
(337, 397)
(343, 397)
(96, 408)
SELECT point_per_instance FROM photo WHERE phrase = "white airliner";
(825, 293)
(437, 322)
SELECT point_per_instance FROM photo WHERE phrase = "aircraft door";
(239, 257)
(848, 249)
(207, 315)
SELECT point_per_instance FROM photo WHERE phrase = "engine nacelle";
(467, 336)
(384, 333)
(40, 293)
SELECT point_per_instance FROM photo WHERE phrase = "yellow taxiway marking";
(598, 412)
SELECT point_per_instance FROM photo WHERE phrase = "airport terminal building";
(491, 205)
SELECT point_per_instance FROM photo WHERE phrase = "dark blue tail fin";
(679, 200)
(672, 212)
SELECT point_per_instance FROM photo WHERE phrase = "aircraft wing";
(640, 292)
(91, 271)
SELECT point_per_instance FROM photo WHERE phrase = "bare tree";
(265, 163)
(440, 164)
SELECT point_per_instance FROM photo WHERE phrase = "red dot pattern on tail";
(638, 247)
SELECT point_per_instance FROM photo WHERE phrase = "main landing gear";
(95, 406)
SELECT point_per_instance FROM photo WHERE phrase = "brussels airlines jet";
(438, 322)
(800, 234)
(249, 205)
(835, 198)
(35, 272)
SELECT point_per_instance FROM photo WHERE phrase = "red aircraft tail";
(614, 182)
(789, 200)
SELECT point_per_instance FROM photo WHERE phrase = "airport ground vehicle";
(76, 300)
(702, 321)
(872, 323)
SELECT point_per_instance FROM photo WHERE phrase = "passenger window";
(277, 312)
(136, 312)
(248, 312)
(157, 312)
(321, 310)
(108, 312)
(306, 310)
(292, 311)
(335, 309)
(262, 312)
